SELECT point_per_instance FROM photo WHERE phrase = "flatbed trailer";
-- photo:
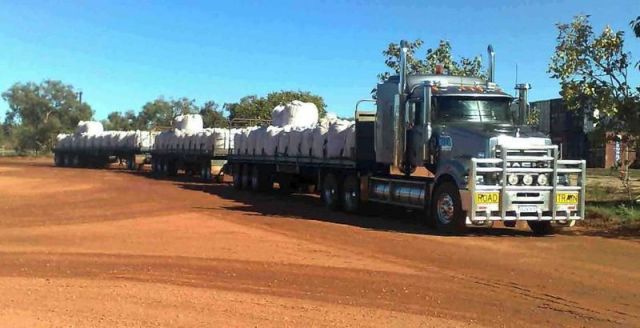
(206, 164)
(98, 157)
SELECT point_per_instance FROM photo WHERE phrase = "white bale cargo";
(306, 142)
(283, 140)
(336, 138)
(188, 122)
(350, 142)
(295, 141)
(60, 140)
(89, 127)
(256, 140)
(295, 113)
(270, 145)
(277, 117)
(319, 141)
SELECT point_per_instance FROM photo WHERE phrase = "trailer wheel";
(165, 167)
(351, 194)
(205, 171)
(285, 183)
(245, 177)
(447, 209)
(131, 163)
(541, 228)
(76, 161)
(260, 179)
(331, 192)
(57, 159)
(237, 176)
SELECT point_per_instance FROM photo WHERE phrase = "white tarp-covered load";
(89, 127)
(295, 114)
(106, 140)
(215, 141)
(318, 140)
(294, 142)
(188, 122)
(337, 138)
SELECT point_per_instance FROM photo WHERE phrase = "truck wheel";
(260, 179)
(331, 192)
(351, 194)
(246, 177)
(446, 209)
(165, 167)
(541, 228)
(205, 172)
(76, 161)
(57, 159)
(237, 176)
(285, 183)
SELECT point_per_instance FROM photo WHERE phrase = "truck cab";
(485, 164)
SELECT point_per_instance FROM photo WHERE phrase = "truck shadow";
(309, 207)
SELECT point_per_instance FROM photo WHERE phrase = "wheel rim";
(329, 193)
(351, 199)
(255, 179)
(445, 208)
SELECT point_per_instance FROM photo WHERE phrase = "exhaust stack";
(492, 64)
(404, 49)
(400, 110)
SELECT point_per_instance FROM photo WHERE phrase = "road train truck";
(483, 163)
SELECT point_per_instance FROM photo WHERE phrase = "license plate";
(567, 198)
(487, 198)
(528, 209)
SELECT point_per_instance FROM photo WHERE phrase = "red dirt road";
(107, 248)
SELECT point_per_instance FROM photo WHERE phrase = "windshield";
(450, 109)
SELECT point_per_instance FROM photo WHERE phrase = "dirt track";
(105, 248)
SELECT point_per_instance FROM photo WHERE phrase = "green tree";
(254, 107)
(122, 121)
(442, 55)
(635, 25)
(37, 112)
(159, 113)
(212, 116)
(593, 73)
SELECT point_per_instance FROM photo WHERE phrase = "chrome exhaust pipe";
(404, 49)
(492, 64)
(400, 110)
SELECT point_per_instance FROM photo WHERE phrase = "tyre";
(285, 184)
(165, 167)
(541, 228)
(205, 172)
(351, 194)
(76, 161)
(57, 160)
(260, 179)
(246, 177)
(331, 192)
(446, 209)
(131, 163)
(237, 176)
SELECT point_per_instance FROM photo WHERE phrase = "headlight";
(512, 179)
(542, 179)
(479, 180)
(563, 180)
(527, 179)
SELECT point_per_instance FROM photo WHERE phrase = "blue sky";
(122, 54)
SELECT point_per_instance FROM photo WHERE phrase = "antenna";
(516, 73)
